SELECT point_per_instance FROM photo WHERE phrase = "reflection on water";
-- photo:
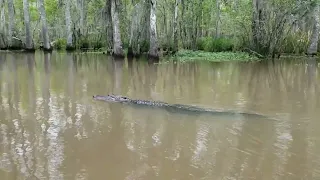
(50, 128)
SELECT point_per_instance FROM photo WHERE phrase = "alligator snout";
(95, 96)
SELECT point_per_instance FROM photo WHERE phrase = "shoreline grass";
(181, 55)
(189, 55)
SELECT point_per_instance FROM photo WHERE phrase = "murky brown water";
(50, 128)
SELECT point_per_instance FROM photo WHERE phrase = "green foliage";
(97, 45)
(34, 14)
(84, 43)
(94, 10)
(125, 44)
(295, 43)
(187, 55)
(52, 9)
(60, 44)
(215, 45)
(91, 41)
(144, 46)
(197, 24)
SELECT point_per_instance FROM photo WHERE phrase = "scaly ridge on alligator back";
(172, 107)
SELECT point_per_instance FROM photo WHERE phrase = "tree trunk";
(11, 27)
(165, 29)
(194, 28)
(3, 42)
(218, 19)
(139, 31)
(29, 41)
(45, 34)
(109, 28)
(258, 25)
(312, 50)
(175, 28)
(153, 49)
(69, 26)
(82, 17)
(183, 33)
(117, 43)
(135, 33)
(144, 39)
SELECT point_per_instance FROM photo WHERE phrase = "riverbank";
(181, 55)
(189, 55)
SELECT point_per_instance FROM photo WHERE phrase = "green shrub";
(222, 44)
(200, 43)
(60, 44)
(84, 43)
(295, 43)
(210, 44)
(125, 44)
(188, 55)
(144, 46)
(97, 45)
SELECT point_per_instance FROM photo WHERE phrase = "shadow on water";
(50, 128)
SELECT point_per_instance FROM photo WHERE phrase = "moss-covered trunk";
(139, 31)
(117, 42)
(70, 45)
(259, 25)
(3, 40)
(11, 26)
(109, 28)
(175, 26)
(45, 33)
(153, 50)
(29, 41)
(313, 47)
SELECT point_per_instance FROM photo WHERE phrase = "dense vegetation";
(261, 27)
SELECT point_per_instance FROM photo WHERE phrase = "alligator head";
(111, 98)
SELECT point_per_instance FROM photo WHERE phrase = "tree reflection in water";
(51, 128)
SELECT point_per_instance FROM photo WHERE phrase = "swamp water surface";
(50, 128)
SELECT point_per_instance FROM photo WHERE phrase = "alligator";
(176, 108)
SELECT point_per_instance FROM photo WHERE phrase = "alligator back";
(177, 108)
